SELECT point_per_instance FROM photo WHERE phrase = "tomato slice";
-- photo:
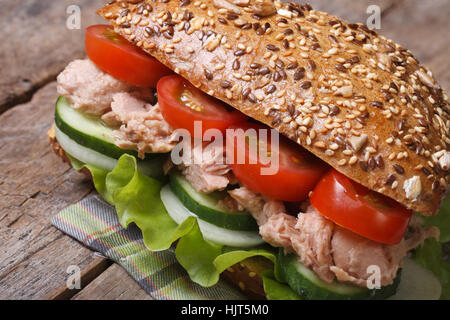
(121, 59)
(298, 170)
(181, 104)
(363, 211)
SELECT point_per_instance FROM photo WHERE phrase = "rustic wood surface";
(113, 283)
(37, 44)
(423, 27)
(35, 185)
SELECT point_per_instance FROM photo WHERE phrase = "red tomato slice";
(121, 59)
(298, 170)
(181, 104)
(356, 208)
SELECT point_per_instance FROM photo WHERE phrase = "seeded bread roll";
(245, 275)
(355, 99)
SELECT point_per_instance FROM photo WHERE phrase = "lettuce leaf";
(276, 290)
(233, 256)
(136, 199)
(98, 176)
(441, 220)
(197, 255)
(429, 255)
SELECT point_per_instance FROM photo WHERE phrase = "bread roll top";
(355, 99)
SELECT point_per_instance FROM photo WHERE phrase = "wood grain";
(419, 25)
(423, 27)
(37, 44)
(113, 284)
(352, 11)
(34, 186)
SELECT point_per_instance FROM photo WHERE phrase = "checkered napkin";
(94, 223)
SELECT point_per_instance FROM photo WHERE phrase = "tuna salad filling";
(132, 110)
(331, 251)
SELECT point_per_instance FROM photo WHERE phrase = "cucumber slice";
(178, 212)
(308, 285)
(87, 131)
(152, 167)
(417, 283)
(206, 206)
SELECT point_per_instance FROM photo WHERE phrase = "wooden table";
(35, 185)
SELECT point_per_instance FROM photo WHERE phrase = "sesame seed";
(353, 160)
(377, 104)
(292, 65)
(271, 89)
(225, 84)
(299, 73)
(320, 144)
(251, 97)
(390, 179)
(364, 165)
(236, 64)
(219, 67)
(332, 51)
(398, 168)
(370, 149)
(222, 20)
(340, 67)
(208, 74)
(379, 161)
(305, 85)
(271, 47)
(333, 146)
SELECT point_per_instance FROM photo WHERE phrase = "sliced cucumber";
(417, 283)
(87, 131)
(152, 167)
(308, 285)
(231, 238)
(206, 206)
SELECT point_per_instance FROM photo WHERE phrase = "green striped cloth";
(94, 223)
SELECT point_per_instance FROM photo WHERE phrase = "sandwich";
(290, 152)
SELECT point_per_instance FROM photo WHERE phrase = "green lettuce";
(98, 176)
(429, 256)
(442, 221)
(275, 290)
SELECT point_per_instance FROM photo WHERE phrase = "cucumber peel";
(206, 206)
(310, 287)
